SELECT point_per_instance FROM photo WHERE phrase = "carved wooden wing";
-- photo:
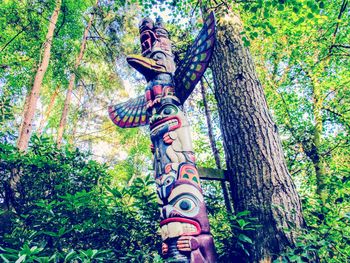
(129, 114)
(196, 61)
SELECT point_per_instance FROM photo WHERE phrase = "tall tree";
(259, 179)
(307, 83)
(32, 99)
(67, 101)
(213, 145)
(48, 110)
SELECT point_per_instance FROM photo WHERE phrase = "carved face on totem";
(166, 116)
(184, 213)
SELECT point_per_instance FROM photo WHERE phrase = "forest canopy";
(76, 188)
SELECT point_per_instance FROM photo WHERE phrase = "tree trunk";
(25, 109)
(48, 111)
(64, 115)
(29, 110)
(213, 146)
(76, 117)
(316, 157)
(260, 181)
(67, 101)
(314, 151)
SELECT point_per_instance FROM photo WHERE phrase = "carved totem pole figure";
(184, 221)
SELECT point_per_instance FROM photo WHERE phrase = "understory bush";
(67, 209)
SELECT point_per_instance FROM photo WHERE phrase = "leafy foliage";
(230, 232)
(68, 209)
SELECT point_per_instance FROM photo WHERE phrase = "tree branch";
(12, 39)
(333, 148)
(340, 46)
(63, 10)
(341, 11)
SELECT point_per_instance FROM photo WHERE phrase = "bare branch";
(12, 39)
(341, 11)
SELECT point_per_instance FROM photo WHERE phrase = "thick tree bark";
(213, 146)
(68, 99)
(260, 180)
(29, 110)
(48, 110)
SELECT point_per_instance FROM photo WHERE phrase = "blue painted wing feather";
(129, 114)
(196, 61)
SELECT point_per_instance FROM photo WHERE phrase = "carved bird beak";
(146, 66)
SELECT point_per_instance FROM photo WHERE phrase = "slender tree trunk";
(64, 115)
(315, 155)
(312, 147)
(25, 108)
(68, 99)
(76, 117)
(48, 110)
(29, 110)
(260, 181)
(213, 145)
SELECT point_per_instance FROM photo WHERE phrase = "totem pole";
(184, 221)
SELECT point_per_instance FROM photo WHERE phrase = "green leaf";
(254, 35)
(243, 213)
(246, 42)
(245, 238)
(21, 259)
(280, 7)
(242, 223)
(70, 256)
(310, 15)
(266, 14)
(300, 20)
(296, 9)
(254, 9)
(4, 259)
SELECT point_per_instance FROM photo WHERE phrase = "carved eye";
(185, 204)
(158, 56)
(169, 110)
(169, 180)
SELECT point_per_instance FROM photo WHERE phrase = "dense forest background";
(76, 188)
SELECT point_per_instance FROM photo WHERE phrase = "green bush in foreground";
(66, 209)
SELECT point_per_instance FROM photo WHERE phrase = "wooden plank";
(212, 174)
